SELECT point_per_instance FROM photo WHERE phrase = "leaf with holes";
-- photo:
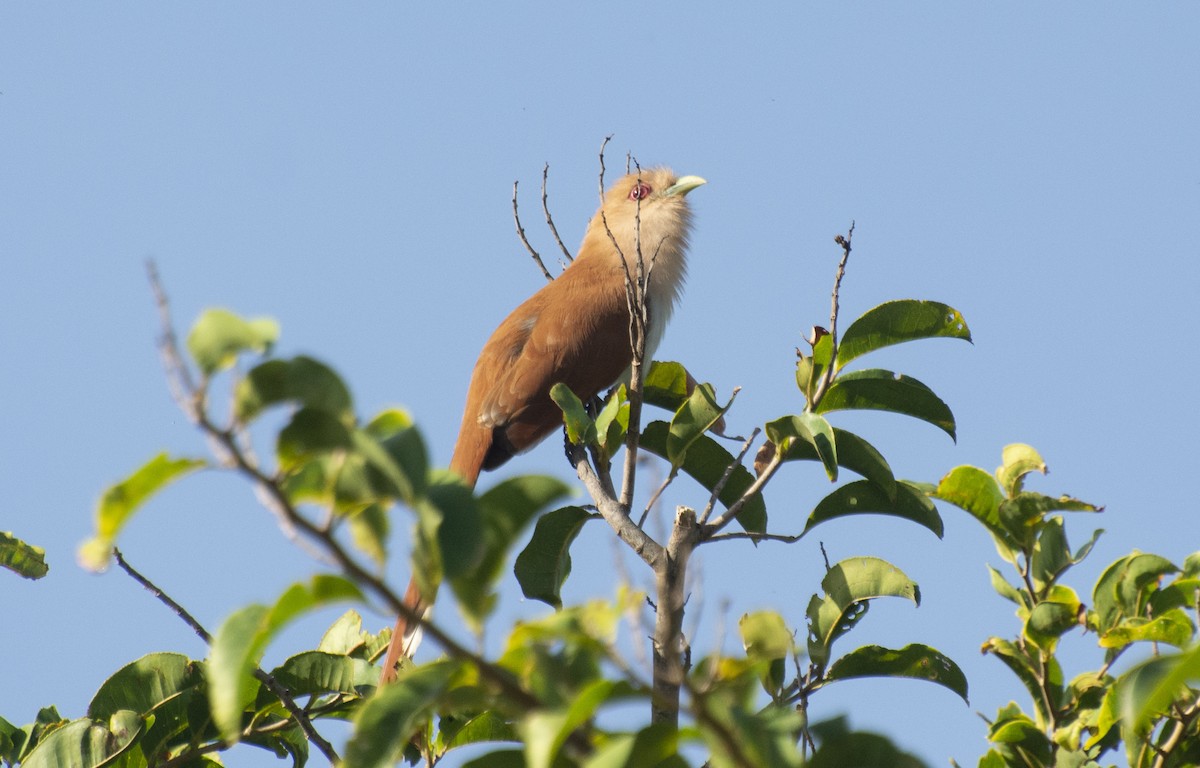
(919, 662)
(848, 586)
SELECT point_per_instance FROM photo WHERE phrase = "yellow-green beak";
(683, 185)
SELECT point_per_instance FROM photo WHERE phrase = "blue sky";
(349, 172)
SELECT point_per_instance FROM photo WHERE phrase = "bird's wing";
(574, 331)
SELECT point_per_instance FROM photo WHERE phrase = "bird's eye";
(640, 192)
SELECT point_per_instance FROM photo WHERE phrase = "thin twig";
(730, 514)
(756, 537)
(603, 144)
(163, 597)
(657, 493)
(282, 693)
(521, 234)
(550, 219)
(720, 486)
(827, 375)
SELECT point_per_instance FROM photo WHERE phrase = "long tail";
(467, 462)
(405, 639)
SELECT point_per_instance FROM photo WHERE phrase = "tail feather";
(467, 462)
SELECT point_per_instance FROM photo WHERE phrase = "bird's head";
(648, 211)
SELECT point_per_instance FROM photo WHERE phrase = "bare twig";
(827, 376)
(785, 538)
(163, 597)
(550, 219)
(730, 514)
(720, 486)
(654, 497)
(603, 144)
(282, 693)
(521, 234)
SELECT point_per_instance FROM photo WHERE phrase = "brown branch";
(521, 234)
(670, 580)
(617, 516)
(282, 693)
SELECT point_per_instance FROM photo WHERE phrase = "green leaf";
(385, 723)
(881, 390)
(21, 558)
(698, 413)
(345, 636)
(309, 434)
(1007, 590)
(810, 370)
(769, 642)
(581, 430)
(765, 636)
(302, 380)
(239, 643)
(219, 336)
(809, 428)
(848, 586)
(900, 321)
(455, 731)
(394, 430)
(504, 510)
(919, 662)
(142, 685)
(1051, 619)
(86, 743)
(865, 497)
(448, 536)
(1021, 661)
(853, 453)
(122, 500)
(1123, 590)
(1017, 461)
(1151, 687)
(971, 489)
(369, 531)
(544, 564)
(546, 731)
(316, 672)
(665, 385)
(613, 421)
(1173, 628)
(1023, 513)
(706, 463)
(655, 746)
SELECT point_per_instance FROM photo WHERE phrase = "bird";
(574, 330)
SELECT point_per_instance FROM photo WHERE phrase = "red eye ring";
(640, 192)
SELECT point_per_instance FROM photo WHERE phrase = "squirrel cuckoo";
(575, 330)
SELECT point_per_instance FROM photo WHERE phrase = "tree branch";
(277, 688)
(271, 494)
